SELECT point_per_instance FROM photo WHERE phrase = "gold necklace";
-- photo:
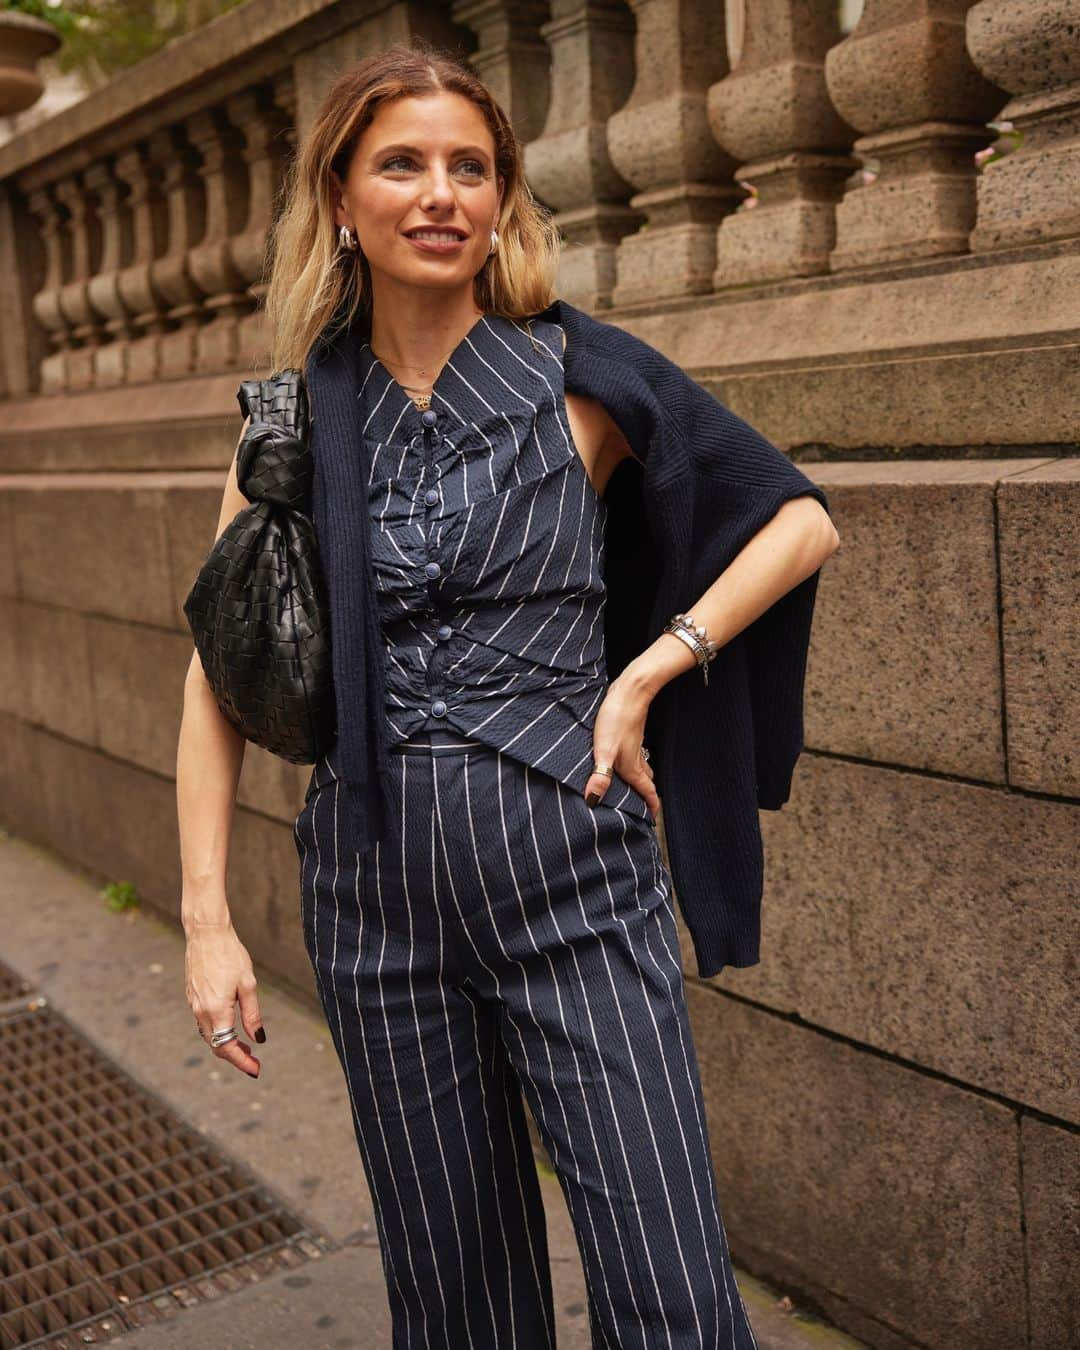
(415, 391)
(422, 399)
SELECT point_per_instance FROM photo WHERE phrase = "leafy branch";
(104, 37)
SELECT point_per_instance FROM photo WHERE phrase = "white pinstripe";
(671, 1090)
(592, 1027)
(661, 882)
(495, 977)
(520, 1165)
(454, 526)
(390, 1271)
(436, 818)
(667, 967)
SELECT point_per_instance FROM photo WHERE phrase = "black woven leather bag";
(258, 609)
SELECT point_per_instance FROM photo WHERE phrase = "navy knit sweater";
(701, 485)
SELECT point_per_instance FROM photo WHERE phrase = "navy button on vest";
(512, 651)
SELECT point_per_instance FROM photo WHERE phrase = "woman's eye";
(404, 159)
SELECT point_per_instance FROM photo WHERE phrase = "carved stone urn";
(24, 40)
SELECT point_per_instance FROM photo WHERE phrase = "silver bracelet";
(696, 638)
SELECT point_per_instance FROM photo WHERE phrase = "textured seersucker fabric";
(487, 553)
(702, 484)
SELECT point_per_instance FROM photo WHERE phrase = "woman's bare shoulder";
(606, 435)
(599, 440)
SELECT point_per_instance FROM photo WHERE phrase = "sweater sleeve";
(710, 483)
(741, 481)
(736, 480)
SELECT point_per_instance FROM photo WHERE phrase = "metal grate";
(11, 985)
(114, 1213)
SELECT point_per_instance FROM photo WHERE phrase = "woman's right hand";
(218, 974)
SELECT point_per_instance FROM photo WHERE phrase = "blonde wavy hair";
(313, 283)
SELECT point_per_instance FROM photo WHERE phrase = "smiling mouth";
(438, 236)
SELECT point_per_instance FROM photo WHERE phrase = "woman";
(486, 908)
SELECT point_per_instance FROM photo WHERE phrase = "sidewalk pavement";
(119, 980)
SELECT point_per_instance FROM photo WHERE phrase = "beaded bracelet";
(696, 638)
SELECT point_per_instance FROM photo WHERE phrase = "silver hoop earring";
(494, 242)
(347, 240)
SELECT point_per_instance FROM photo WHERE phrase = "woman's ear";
(337, 197)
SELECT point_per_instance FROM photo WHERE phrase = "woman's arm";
(784, 552)
(791, 547)
(209, 760)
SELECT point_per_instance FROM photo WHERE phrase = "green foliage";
(120, 895)
(57, 14)
(1009, 140)
(104, 37)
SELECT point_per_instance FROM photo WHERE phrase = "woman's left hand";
(617, 738)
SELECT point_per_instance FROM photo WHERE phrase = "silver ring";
(222, 1036)
(644, 754)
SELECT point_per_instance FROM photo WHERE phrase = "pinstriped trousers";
(517, 940)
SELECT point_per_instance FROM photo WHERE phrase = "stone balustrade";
(639, 132)
(154, 253)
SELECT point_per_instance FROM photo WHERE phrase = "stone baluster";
(46, 211)
(103, 291)
(83, 321)
(568, 165)
(224, 174)
(263, 126)
(185, 202)
(773, 111)
(903, 77)
(510, 57)
(283, 96)
(147, 306)
(1033, 51)
(660, 142)
(23, 343)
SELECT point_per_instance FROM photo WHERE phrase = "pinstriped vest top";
(487, 546)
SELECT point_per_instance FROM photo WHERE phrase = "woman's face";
(422, 163)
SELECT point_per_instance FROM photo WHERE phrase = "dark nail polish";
(250, 1074)
(593, 798)
(260, 1034)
